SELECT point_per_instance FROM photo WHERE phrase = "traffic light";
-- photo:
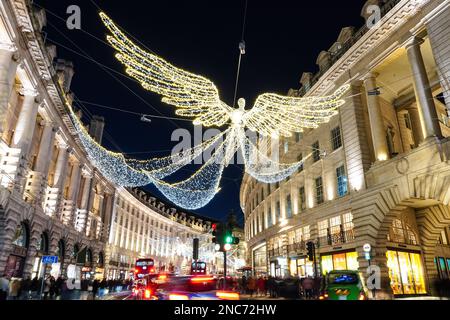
(310, 250)
(223, 237)
(215, 233)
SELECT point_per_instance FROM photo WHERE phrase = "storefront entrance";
(301, 267)
(406, 272)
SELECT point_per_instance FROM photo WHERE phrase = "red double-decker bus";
(143, 267)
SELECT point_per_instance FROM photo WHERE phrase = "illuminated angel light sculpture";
(196, 97)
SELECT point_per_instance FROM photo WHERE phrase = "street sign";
(49, 259)
(367, 255)
(367, 247)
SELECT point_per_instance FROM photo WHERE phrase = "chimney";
(96, 128)
(65, 71)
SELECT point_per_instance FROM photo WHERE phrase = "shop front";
(279, 267)
(443, 267)
(16, 260)
(260, 261)
(339, 261)
(406, 272)
(301, 267)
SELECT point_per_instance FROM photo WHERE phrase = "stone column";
(376, 119)
(424, 97)
(26, 123)
(75, 181)
(69, 208)
(54, 194)
(8, 66)
(45, 148)
(416, 125)
(37, 179)
(82, 211)
(438, 27)
(61, 166)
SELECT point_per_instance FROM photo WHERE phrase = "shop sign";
(49, 259)
(86, 269)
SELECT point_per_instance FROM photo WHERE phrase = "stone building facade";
(53, 201)
(378, 173)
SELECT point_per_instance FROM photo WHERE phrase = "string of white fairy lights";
(198, 98)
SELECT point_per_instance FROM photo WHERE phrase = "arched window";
(88, 257)
(21, 238)
(61, 250)
(43, 243)
(401, 232)
(76, 249)
(100, 260)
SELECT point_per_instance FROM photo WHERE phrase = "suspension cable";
(241, 53)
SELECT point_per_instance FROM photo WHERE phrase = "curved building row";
(53, 201)
(378, 173)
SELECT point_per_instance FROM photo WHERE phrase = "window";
(316, 151)
(278, 211)
(319, 190)
(286, 147)
(288, 207)
(323, 228)
(443, 238)
(269, 218)
(407, 119)
(302, 198)
(298, 136)
(336, 140)
(341, 181)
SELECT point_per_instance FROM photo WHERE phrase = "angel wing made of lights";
(198, 98)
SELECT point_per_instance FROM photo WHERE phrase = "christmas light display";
(198, 98)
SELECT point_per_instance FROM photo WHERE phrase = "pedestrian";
(34, 287)
(25, 289)
(308, 286)
(260, 284)
(58, 286)
(4, 287)
(244, 285)
(95, 286)
(251, 286)
(47, 285)
(14, 288)
(52, 287)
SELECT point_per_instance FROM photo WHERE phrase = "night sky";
(283, 39)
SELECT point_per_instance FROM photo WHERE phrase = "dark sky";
(283, 39)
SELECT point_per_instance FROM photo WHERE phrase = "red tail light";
(227, 295)
(175, 296)
(202, 279)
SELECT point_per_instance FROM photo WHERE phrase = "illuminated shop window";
(406, 272)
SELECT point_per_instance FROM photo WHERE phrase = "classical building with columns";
(378, 173)
(144, 226)
(53, 201)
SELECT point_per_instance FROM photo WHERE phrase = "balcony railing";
(337, 238)
(297, 247)
(388, 6)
